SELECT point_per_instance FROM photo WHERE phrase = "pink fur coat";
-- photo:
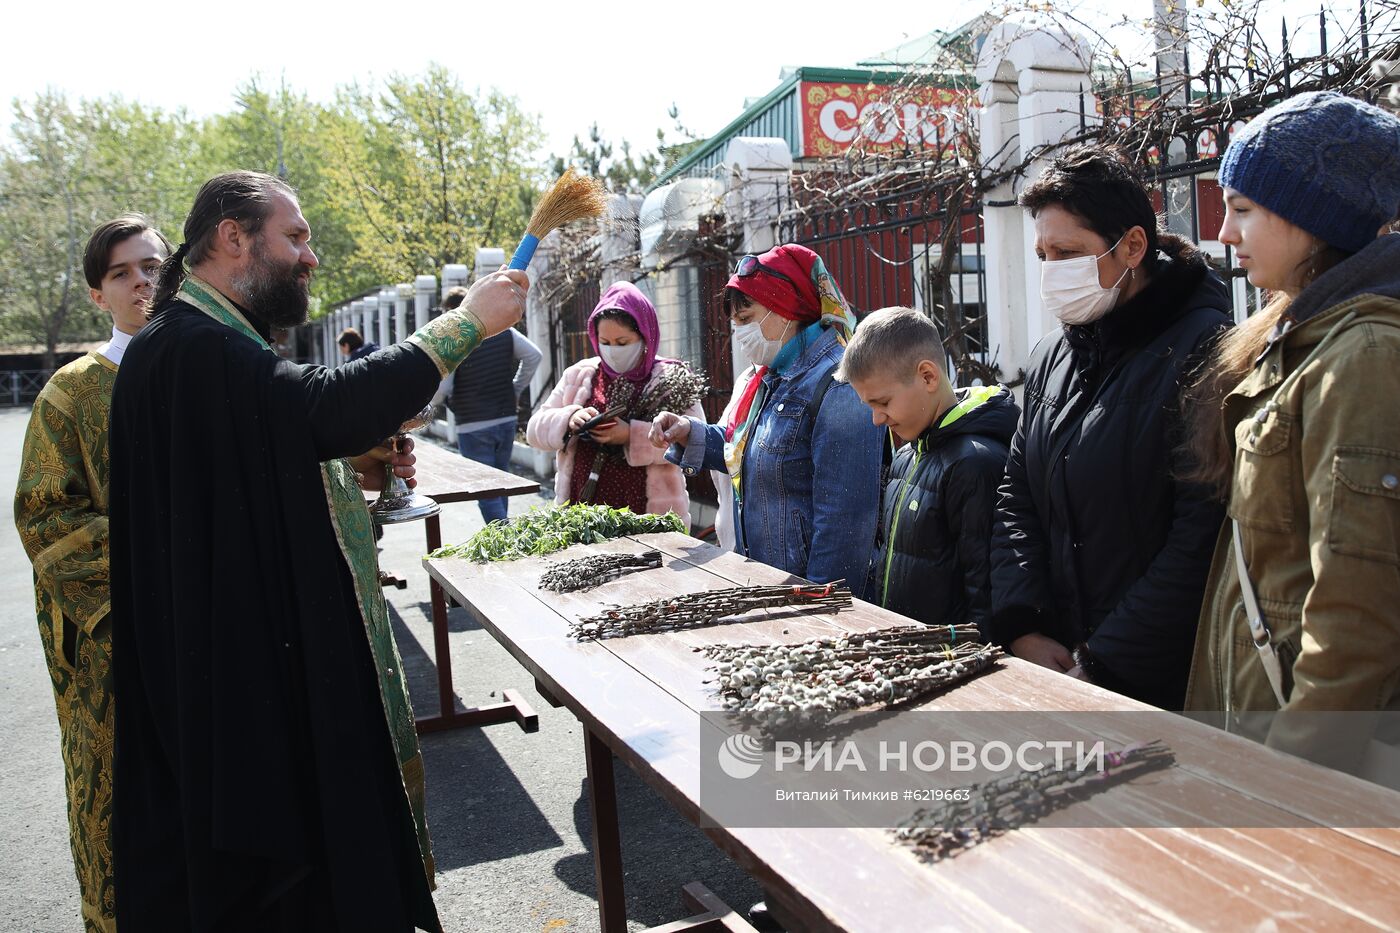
(665, 483)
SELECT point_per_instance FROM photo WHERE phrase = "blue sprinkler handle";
(524, 252)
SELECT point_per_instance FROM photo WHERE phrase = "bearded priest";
(267, 771)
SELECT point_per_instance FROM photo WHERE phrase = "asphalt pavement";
(508, 812)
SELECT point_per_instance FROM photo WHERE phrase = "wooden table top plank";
(1309, 790)
(648, 729)
(681, 673)
(447, 477)
(652, 716)
(601, 689)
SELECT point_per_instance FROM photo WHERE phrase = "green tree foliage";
(424, 173)
(68, 169)
(622, 168)
(394, 180)
(283, 133)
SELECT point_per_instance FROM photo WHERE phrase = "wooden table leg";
(607, 843)
(443, 656)
(515, 709)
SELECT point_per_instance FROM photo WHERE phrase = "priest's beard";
(274, 292)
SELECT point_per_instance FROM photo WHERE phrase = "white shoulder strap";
(1258, 628)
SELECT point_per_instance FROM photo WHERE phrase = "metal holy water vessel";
(397, 502)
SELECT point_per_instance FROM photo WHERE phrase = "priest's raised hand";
(497, 300)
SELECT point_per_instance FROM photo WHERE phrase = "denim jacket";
(811, 479)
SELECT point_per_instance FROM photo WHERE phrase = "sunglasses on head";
(749, 265)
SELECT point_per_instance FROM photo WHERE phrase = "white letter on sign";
(879, 122)
(919, 128)
(827, 120)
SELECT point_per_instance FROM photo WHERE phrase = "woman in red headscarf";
(800, 449)
(612, 462)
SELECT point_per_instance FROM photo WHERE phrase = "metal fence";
(919, 248)
(569, 340)
(897, 241)
(1180, 157)
(22, 386)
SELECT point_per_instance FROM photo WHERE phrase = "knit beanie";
(1327, 163)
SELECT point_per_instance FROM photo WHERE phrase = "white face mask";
(622, 359)
(1070, 289)
(759, 349)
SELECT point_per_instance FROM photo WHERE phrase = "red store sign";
(882, 117)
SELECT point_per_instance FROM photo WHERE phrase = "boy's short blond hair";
(894, 340)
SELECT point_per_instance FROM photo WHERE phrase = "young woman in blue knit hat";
(1296, 427)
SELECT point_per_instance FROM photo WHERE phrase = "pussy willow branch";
(693, 610)
(1020, 799)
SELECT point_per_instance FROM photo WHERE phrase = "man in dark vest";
(483, 399)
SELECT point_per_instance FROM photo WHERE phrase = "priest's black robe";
(256, 785)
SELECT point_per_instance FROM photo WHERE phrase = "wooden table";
(639, 699)
(448, 477)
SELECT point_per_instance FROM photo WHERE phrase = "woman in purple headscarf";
(614, 463)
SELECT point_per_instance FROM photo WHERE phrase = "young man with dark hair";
(61, 514)
(484, 396)
(933, 560)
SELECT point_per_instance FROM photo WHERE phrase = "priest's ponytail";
(169, 278)
(243, 197)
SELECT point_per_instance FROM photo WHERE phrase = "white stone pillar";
(760, 187)
(1003, 233)
(403, 299)
(369, 311)
(424, 288)
(453, 274)
(488, 260)
(342, 315)
(621, 241)
(1031, 79)
(357, 314)
(1169, 32)
(388, 299)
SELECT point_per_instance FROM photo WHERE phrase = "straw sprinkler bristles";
(573, 197)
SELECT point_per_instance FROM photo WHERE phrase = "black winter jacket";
(1096, 544)
(934, 559)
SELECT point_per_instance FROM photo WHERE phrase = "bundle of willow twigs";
(584, 573)
(674, 388)
(1016, 800)
(855, 670)
(694, 610)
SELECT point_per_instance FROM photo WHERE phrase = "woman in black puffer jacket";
(1100, 554)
